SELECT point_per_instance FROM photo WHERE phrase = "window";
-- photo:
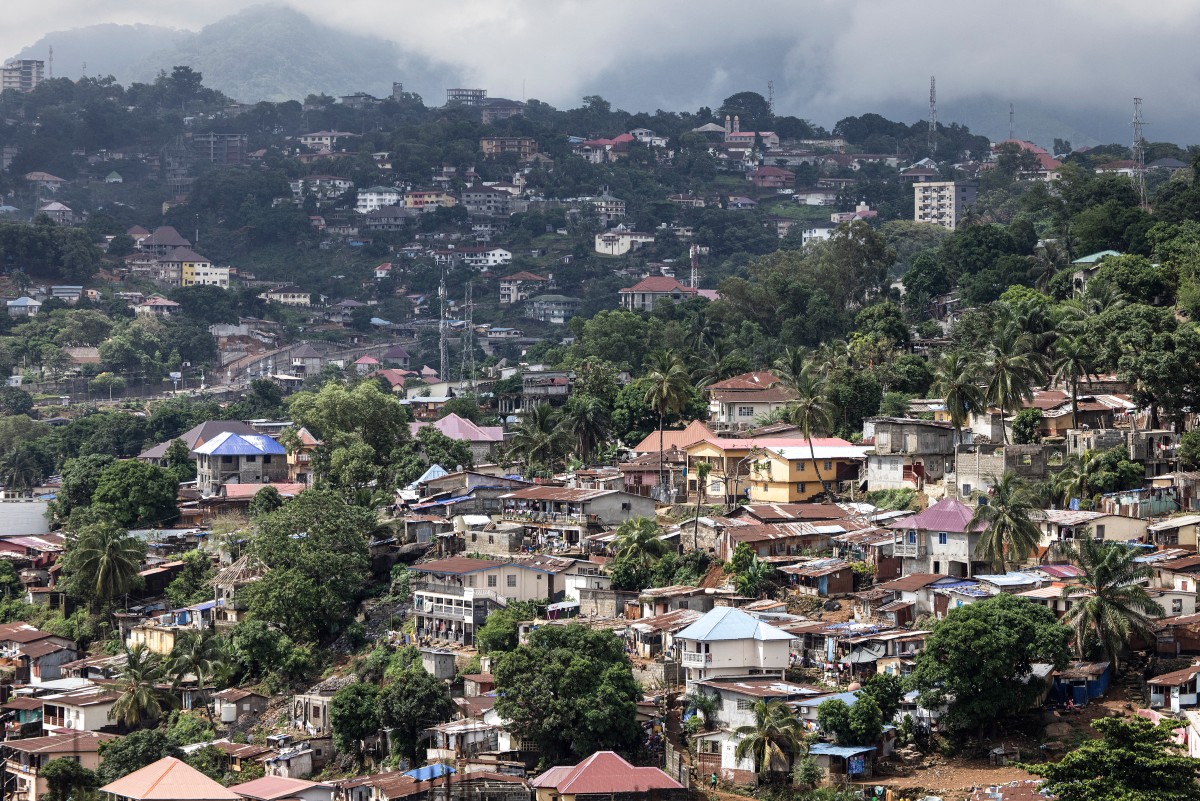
(744, 705)
(226, 460)
(1177, 606)
(942, 537)
(912, 537)
(937, 567)
(492, 580)
(267, 459)
(470, 581)
(1099, 532)
(799, 486)
(745, 411)
(251, 459)
(828, 465)
(510, 580)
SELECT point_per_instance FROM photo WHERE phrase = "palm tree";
(1116, 605)
(1076, 478)
(585, 418)
(107, 559)
(668, 389)
(197, 654)
(638, 540)
(773, 738)
(812, 412)
(705, 705)
(957, 383)
(1011, 371)
(1072, 361)
(702, 471)
(1007, 521)
(751, 580)
(539, 440)
(139, 700)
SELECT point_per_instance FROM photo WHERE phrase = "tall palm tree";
(812, 412)
(539, 440)
(139, 702)
(1117, 604)
(957, 383)
(667, 389)
(1007, 520)
(585, 418)
(638, 540)
(107, 559)
(773, 738)
(1011, 372)
(197, 654)
(1072, 361)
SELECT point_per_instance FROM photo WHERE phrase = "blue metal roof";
(434, 771)
(228, 443)
(844, 751)
(728, 623)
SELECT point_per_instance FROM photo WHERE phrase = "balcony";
(909, 549)
(694, 659)
(549, 518)
(455, 590)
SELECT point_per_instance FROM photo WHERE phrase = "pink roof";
(244, 492)
(604, 772)
(694, 432)
(730, 443)
(366, 360)
(948, 514)
(169, 779)
(461, 429)
(760, 379)
(272, 787)
(523, 275)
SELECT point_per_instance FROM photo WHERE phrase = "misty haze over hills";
(275, 53)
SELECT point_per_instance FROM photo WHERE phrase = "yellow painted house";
(773, 469)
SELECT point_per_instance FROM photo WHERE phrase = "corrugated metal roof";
(728, 623)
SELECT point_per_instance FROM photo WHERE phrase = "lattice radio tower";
(771, 97)
(443, 332)
(466, 372)
(1011, 120)
(694, 252)
(932, 115)
(1139, 152)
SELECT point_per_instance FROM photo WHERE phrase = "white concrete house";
(730, 642)
(1176, 690)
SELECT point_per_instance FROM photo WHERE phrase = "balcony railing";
(532, 516)
(694, 658)
(910, 549)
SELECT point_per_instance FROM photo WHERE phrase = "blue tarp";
(844, 751)
(428, 772)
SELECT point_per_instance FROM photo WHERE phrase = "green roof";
(556, 299)
(1096, 257)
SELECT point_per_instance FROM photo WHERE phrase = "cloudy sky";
(826, 58)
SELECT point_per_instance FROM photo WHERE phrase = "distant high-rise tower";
(1139, 152)
(932, 115)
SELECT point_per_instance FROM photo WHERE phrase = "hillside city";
(382, 449)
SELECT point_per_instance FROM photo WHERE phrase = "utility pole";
(932, 116)
(1139, 153)
(443, 332)
(466, 371)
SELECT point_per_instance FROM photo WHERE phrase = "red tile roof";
(659, 283)
(169, 779)
(604, 772)
(694, 432)
(457, 565)
(760, 379)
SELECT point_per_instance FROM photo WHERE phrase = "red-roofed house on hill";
(938, 540)
(737, 402)
(645, 293)
(604, 776)
(168, 779)
(482, 440)
(521, 286)
(775, 178)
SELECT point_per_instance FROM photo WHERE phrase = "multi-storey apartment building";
(942, 202)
